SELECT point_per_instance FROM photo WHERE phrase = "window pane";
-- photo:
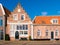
(20, 27)
(1, 22)
(26, 27)
(22, 17)
(21, 32)
(23, 27)
(38, 33)
(56, 33)
(46, 32)
(25, 32)
(1, 34)
(17, 27)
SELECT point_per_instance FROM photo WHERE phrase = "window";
(56, 33)
(19, 10)
(21, 32)
(22, 17)
(38, 33)
(1, 34)
(22, 27)
(17, 27)
(25, 32)
(1, 22)
(55, 21)
(26, 27)
(15, 17)
(46, 32)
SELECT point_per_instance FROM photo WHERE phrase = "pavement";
(30, 42)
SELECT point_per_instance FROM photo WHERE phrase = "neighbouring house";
(46, 27)
(19, 25)
(3, 21)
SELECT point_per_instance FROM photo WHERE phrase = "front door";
(16, 35)
(52, 35)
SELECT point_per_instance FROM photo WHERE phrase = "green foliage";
(7, 38)
(29, 37)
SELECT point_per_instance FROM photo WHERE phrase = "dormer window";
(15, 17)
(22, 17)
(55, 21)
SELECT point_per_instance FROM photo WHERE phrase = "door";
(1, 34)
(16, 35)
(52, 35)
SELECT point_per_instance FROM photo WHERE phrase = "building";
(3, 21)
(19, 25)
(2, 13)
(46, 27)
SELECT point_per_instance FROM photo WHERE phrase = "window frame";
(16, 17)
(55, 21)
(56, 33)
(47, 33)
(23, 17)
(39, 33)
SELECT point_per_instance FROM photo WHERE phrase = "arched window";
(46, 32)
(56, 33)
(38, 33)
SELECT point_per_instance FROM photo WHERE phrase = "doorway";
(16, 35)
(52, 35)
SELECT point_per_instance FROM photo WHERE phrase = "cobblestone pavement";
(29, 42)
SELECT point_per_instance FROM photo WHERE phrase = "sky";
(35, 7)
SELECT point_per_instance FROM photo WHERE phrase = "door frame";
(15, 34)
(52, 35)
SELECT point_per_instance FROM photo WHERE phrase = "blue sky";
(35, 7)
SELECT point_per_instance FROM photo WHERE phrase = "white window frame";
(55, 22)
(57, 33)
(47, 32)
(23, 15)
(39, 32)
(16, 17)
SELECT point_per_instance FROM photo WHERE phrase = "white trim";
(2, 9)
(24, 16)
(34, 18)
(32, 31)
(19, 23)
(16, 17)
(52, 21)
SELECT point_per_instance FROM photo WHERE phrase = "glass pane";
(25, 32)
(21, 32)
(1, 22)
(1, 34)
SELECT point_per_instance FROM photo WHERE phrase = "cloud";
(44, 13)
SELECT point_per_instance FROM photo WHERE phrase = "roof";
(7, 12)
(45, 19)
(1, 10)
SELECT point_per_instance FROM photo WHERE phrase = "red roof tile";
(45, 19)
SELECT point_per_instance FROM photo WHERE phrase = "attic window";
(55, 21)
(19, 10)
(15, 17)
